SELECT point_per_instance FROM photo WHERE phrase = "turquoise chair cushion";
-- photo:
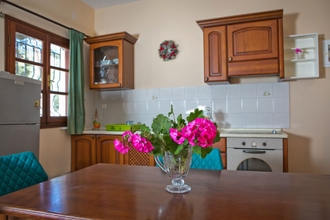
(212, 161)
(18, 171)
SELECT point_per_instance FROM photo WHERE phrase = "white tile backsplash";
(219, 91)
(234, 105)
(190, 93)
(281, 105)
(178, 93)
(234, 91)
(281, 90)
(249, 90)
(204, 92)
(265, 90)
(263, 105)
(165, 94)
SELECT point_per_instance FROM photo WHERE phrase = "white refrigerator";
(19, 114)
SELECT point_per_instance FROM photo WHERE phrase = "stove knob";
(264, 144)
(243, 143)
(254, 144)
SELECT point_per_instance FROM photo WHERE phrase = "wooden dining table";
(106, 191)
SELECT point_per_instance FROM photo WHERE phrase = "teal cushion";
(18, 171)
(212, 161)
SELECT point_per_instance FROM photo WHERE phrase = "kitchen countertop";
(254, 133)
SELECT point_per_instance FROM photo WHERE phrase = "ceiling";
(106, 3)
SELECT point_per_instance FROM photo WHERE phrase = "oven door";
(255, 159)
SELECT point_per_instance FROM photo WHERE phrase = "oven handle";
(254, 151)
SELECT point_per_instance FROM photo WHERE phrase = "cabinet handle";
(206, 79)
(230, 58)
(92, 137)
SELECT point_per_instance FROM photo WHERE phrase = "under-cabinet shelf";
(307, 66)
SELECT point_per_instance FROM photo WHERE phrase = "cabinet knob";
(206, 79)
(92, 137)
(230, 58)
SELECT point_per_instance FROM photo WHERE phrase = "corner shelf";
(308, 65)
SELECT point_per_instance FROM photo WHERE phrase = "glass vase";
(177, 167)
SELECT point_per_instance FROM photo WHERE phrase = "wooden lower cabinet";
(87, 150)
(222, 146)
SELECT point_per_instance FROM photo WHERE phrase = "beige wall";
(154, 21)
(55, 145)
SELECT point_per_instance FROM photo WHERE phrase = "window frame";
(13, 25)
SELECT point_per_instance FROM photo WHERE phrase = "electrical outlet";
(104, 105)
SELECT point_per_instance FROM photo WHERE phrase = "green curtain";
(76, 108)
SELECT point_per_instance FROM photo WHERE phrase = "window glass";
(58, 105)
(28, 48)
(28, 70)
(58, 81)
(59, 56)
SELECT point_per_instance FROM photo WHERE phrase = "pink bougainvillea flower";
(122, 148)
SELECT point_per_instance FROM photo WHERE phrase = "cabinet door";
(215, 55)
(105, 150)
(253, 48)
(106, 64)
(83, 151)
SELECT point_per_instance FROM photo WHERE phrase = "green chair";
(18, 171)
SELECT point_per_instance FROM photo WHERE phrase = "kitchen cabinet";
(111, 61)
(87, 150)
(243, 45)
(305, 66)
(222, 146)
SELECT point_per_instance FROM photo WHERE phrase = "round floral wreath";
(168, 50)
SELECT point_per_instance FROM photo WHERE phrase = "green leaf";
(178, 149)
(161, 124)
(203, 152)
(195, 114)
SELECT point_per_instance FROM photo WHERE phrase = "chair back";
(18, 171)
(212, 161)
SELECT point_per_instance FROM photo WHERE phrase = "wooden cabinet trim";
(110, 37)
(275, 14)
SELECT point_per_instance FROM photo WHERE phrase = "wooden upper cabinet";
(215, 54)
(243, 45)
(111, 61)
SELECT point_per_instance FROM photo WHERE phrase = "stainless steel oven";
(255, 154)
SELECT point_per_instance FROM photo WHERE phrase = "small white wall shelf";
(308, 65)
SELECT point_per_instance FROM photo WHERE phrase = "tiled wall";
(263, 105)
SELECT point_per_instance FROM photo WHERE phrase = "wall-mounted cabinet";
(243, 45)
(306, 65)
(111, 61)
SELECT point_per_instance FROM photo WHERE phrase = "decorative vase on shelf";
(298, 53)
(177, 167)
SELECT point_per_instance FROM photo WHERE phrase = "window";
(36, 53)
